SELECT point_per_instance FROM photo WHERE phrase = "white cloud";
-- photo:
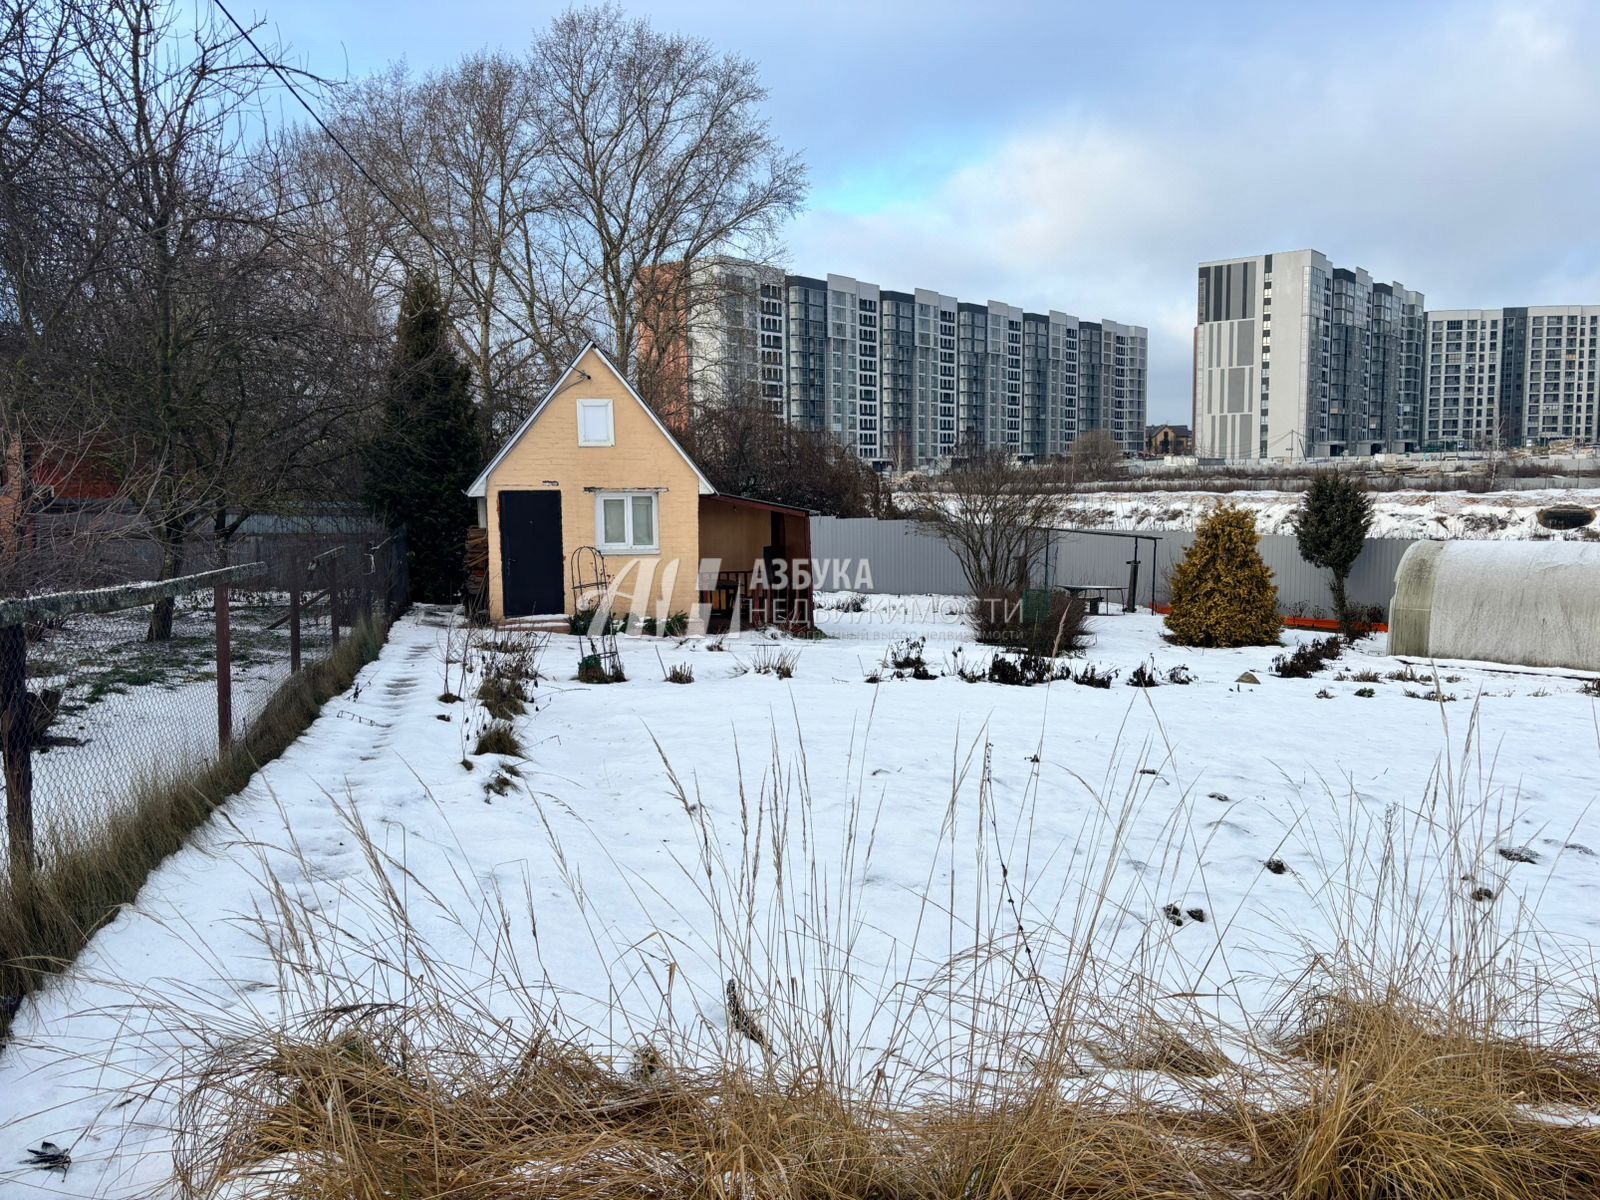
(1455, 153)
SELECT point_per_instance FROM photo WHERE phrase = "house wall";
(548, 457)
(735, 535)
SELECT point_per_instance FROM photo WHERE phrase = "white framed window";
(626, 522)
(595, 427)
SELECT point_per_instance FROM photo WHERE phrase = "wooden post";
(224, 671)
(333, 604)
(16, 741)
(294, 613)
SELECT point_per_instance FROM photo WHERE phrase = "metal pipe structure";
(1133, 573)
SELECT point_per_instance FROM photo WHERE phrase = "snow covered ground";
(1396, 514)
(1141, 820)
(131, 709)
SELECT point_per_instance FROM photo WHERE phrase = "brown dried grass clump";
(498, 737)
(1339, 1030)
(340, 1116)
(1370, 1105)
(1084, 1079)
(503, 697)
(89, 869)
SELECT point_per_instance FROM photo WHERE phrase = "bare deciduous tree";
(450, 186)
(992, 511)
(657, 155)
(176, 336)
(557, 196)
(199, 306)
(50, 247)
(1095, 454)
(747, 451)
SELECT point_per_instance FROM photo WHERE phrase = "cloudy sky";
(1085, 157)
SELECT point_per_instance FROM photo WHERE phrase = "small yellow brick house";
(594, 467)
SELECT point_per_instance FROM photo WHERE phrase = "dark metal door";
(530, 553)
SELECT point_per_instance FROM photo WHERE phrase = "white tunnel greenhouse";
(1536, 604)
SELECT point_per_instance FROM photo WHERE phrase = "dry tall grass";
(91, 864)
(1018, 1045)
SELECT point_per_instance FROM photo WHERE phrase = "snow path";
(1209, 780)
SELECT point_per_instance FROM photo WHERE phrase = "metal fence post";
(295, 569)
(16, 741)
(224, 670)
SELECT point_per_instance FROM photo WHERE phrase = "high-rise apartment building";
(1500, 377)
(914, 379)
(1295, 357)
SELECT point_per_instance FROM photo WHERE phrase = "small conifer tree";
(426, 453)
(1331, 527)
(1222, 592)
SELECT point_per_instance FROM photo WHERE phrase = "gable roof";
(480, 485)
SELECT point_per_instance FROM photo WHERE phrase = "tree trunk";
(1341, 607)
(170, 535)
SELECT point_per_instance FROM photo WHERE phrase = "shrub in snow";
(768, 660)
(1144, 676)
(581, 622)
(1025, 670)
(1222, 592)
(1049, 624)
(906, 657)
(675, 625)
(503, 698)
(1090, 675)
(498, 738)
(970, 672)
(1308, 658)
(592, 669)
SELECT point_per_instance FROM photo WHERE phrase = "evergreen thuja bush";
(1222, 591)
(1330, 526)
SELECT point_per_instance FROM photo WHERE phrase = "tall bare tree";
(51, 245)
(449, 185)
(657, 154)
(179, 337)
(557, 196)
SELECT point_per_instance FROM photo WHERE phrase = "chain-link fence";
(104, 691)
